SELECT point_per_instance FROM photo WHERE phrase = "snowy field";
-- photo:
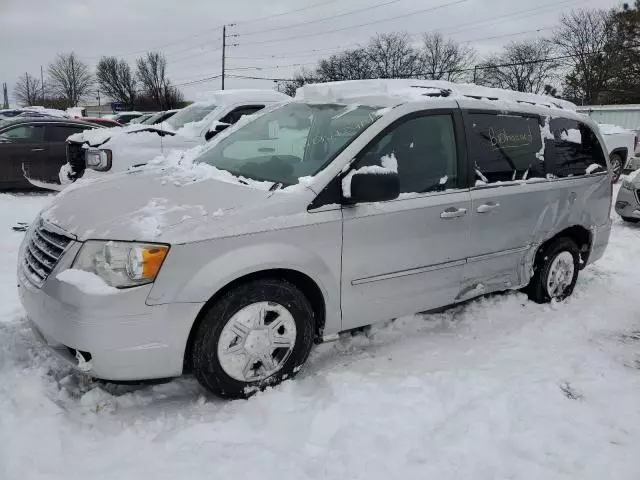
(499, 388)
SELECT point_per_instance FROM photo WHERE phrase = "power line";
(531, 12)
(317, 20)
(425, 10)
(274, 67)
(303, 53)
(268, 17)
(201, 80)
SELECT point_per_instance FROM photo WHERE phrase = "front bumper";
(125, 338)
(627, 204)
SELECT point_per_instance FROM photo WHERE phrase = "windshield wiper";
(275, 186)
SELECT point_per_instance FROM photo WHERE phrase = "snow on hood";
(608, 129)
(98, 136)
(387, 92)
(172, 204)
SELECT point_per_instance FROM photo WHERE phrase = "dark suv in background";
(34, 148)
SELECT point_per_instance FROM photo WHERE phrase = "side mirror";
(378, 186)
(217, 129)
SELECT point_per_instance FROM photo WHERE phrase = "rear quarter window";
(572, 148)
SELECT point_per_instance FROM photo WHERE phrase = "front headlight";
(100, 160)
(121, 264)
(628, 185)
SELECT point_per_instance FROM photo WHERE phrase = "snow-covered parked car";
(355, 203)
(621, 145)
(118, 149)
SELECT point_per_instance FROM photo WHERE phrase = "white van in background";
(118, 149)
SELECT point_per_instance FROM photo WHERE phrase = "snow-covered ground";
(498, 388)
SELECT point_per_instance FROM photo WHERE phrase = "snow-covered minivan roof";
(227, 97)
(390, 92)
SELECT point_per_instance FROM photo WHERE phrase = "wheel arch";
(582, 237)
(305, 283)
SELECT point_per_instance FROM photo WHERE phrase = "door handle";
(453, 212)
(37, 149)
(487, 207)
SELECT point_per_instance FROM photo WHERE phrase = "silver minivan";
(355, 203)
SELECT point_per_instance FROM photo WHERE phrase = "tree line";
(593, 56)
(69, 80)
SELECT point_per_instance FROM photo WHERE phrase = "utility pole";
(224, 48)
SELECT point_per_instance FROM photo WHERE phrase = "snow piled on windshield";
(183, 170)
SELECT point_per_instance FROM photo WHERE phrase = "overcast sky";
(273, 35)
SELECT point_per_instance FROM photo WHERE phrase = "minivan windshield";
(192, 113)
(292, 141)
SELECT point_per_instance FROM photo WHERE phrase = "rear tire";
(258, 334)
(555, 271)
(616, 167)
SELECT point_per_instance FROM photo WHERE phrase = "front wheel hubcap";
(560, 275)
(256, 341)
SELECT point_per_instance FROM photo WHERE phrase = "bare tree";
(301, 78)
(585, 37)
(153, 77)
(392, 56)
(444, 59)
(27, 90)
(353, 64)
(523, 66)
(70, 78)
(116, 80)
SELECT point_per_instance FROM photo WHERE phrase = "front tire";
(258, 334)
(555, 271)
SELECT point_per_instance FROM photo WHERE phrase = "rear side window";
(59, 133)
(504, 148)
(572, 149)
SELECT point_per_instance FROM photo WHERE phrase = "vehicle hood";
(97, 137)
(164, 205)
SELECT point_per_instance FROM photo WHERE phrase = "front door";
(407, 255)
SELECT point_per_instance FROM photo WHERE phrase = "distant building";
(627, 116)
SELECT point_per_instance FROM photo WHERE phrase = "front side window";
(292, 141)
(24, 133)
(424, 149)
(572, 149)
(190, 114)
(504, 148)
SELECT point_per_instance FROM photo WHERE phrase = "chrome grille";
(42, 251)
